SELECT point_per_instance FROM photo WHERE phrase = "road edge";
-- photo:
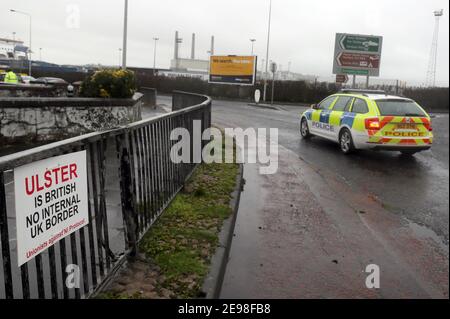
(264, 106)
(212, 285)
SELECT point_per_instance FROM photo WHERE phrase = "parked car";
(23, 78)
(50, 80)
(64, 88)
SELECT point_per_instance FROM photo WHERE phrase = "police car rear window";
(359, 106)
(399, 108)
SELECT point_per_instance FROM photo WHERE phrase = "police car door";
(341, 106)
(320, 117)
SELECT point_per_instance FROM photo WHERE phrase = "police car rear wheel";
(304, 130)
(346, 142)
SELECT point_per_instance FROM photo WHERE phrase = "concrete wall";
(52, 119)
(31, 90)
(149, 98)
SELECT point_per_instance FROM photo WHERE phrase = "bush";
(109, 84)
(431, 99)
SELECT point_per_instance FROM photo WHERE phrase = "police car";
(369, 119)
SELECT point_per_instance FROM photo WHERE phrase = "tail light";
(372, 124)
(428, 126)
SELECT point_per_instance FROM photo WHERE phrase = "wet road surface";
(311, 229)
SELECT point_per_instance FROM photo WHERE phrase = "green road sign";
(353, 71)
(360, 43)
(357, 54)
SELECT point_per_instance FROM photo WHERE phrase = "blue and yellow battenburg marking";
(323, 116)
(348, 118)
(308, 114)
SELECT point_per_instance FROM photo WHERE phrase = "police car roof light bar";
(362, 91)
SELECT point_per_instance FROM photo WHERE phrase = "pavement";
(311, 229)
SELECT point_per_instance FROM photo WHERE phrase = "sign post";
(273, 69)
(357, 54)
(51, 201)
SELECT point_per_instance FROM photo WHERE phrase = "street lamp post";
(40, 54)
(14, 43)
(29, 49)
(120, 57)
(125, 27)
(253, 43)
(154, 55)
(273, 69)
(267, 51)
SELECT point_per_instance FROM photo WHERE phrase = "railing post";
(126, 193)
(206, 123)
(5, 240)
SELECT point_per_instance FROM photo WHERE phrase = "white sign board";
(51, 202)
(257, 96)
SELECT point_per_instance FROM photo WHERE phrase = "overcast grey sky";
(302, 31)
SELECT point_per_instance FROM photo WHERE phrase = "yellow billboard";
(231, 69)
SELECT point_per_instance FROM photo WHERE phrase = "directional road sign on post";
(357, 54)
(363, 43)
(341, 78)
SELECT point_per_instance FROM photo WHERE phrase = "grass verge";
(180, 244)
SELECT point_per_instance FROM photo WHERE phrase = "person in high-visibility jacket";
(11, 77)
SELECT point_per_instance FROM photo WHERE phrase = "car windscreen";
(399, 108)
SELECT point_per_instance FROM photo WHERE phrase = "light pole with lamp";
(14, 43)
(29, 49)
(273, 69)
(253, 43)
(125, 27)
(120, 57)
(154, 55)
(267, 51)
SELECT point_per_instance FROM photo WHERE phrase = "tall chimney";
(212, 45)
(175, 56)
(193, 47)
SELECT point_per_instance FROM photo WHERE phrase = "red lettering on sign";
(64, 173)
(50, 178)
(73, 171)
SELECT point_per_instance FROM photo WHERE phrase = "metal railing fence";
(131, 180)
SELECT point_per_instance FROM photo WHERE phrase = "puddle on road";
(425, 232)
